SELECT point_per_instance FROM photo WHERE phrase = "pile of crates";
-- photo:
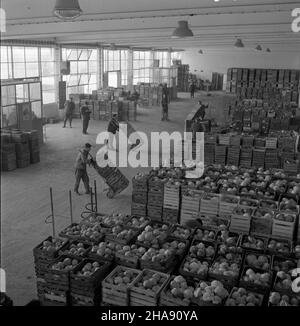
(155, 199)
(139, 196)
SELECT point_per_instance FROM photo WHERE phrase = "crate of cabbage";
(116, 286)
(284, 225)
(146, 289)
(85, 281)
(177, 292)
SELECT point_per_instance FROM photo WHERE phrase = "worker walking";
(80, 169)
(86, 116)
(192, 90)
(165, 103)
(112, 128)
(69, 111)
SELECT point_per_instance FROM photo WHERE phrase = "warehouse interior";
(239, 61)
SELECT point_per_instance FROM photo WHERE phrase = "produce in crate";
(228, 187)
(205, 235)
(179, 288)
(283, 281)
(224, 249)
(277, 246)
(285, 217)
(247, 191)
(229, 238)
(157, 255)
(278, 185)
(257, 278)
(53, 244)
(279, 174)
(151, 281)
(213, 293)
(278, 299)
(207, 183)
(228, 266)
(195, 266)
(294, 188)
(269, 204)
(248, 202)
(258, 261)
(265, 193)
(67, 264)
(75, 249)
(244, 297)
(92, 233)
(138, 222)
(282, 264)
(153, 235)
(297, 250)
(202, 250)
(175, 245)
(115, 220)
(250, 242)
(89, 269)
(122, 277)
(181, 232)
(119, 233)
(288, 205)
(106, 250)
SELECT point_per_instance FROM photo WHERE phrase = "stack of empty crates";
(139, 195)
(8, 153)
(155, 199)
(34, 146)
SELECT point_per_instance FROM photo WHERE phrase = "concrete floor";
(25, 192)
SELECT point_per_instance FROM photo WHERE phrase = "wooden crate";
(240, 223)
(283, 229)
(139, 197)
(54, 297)
(171, 196)
(259, 296)
(226, 208)
(155, 213)
(116, 294)
(123, 241)
(271, 142)
(209, 204)
(190, 206)
(165, 266)
(170, 215)
(261, 226)
(255, 287)
(192, 276)
(138, 209)
(145, 297)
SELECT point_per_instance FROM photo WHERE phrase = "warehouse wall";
(219, 61)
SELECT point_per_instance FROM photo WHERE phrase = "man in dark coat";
(80, 169)
(86, 116)
(69, 111)
(192, 90)
(165, 103)
(112, 128)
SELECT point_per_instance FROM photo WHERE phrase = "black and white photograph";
(150, 156)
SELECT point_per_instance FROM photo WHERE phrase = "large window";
(83, 70)
(117, 60)
(142, 71)
(163, 57)
(27, 62)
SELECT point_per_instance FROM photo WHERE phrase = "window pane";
(3, 50)
(73, 80)
(73, 54)
(92, 88)
(92, 66)
(4, 71)
(47, 54)
(48, 68)
(93, 79)
(82, 67)
(84, 79)
(19, 70)
(84, 54)
(31, 54)
(48, 96)
(35, 92)
(135, 55)
(32, 69)
(73, 67)
(11, 94)
(48, 83)
(9, 116)
(18, 54)
(22, 93)
(93, 55)
(36, 109)
(73, 90)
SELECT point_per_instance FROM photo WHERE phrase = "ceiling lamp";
(239, 43)
(67, 9)
(182, 30)
(258, 48)
(268, 50)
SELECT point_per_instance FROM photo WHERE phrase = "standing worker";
(80, 169)
(112, 128)
(165, 103)
(86, 115)
(201, 110)
(69, 110)
(192, 90)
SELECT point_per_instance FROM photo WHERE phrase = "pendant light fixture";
(200, 52)
(258, 48)
(67, 9)
(268, 50)
(239, 43)
(182, 30)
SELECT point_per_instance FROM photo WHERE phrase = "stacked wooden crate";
(34, 146)
(139, 196)
(220, 154)
(155, 199)
(22, 154)
(272, 159)
(190, 205)
(258, 159)
(246, 157)
(8, 157)
(171, 208)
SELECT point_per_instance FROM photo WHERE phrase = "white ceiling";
(151, 22)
